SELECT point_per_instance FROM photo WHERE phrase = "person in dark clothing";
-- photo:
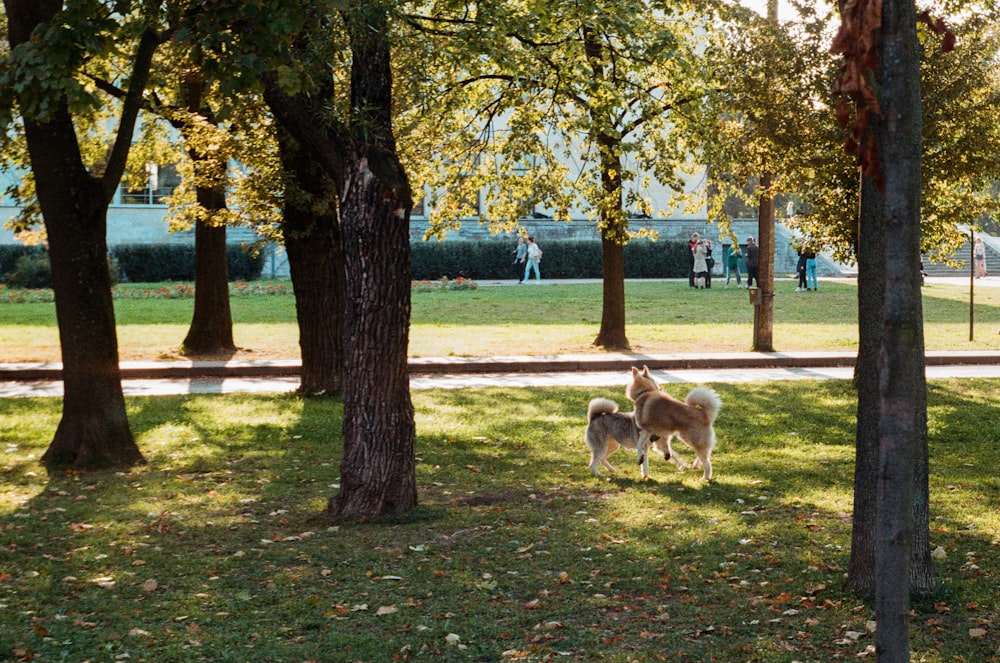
(520, 255)
(752, 257)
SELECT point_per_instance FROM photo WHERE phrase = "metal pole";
(972, 281)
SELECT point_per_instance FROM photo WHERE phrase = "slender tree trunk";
(612, 333)
(613, 225)
(316, 261)
(211, 330)
(763, 312)
(870, 249)
(901, 365)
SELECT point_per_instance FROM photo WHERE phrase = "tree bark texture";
(901, 355)
(93, 431)
(378, 474)
(612, 333)
(763, 313)
(211, 330)
(378, 469)
(316, 262)
(870, 249)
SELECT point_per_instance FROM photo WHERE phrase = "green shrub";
(32, 270)
(10, 254)
(155, 263)
(562, 259)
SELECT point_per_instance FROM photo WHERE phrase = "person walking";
(534, 257)
(520, 255)
(979, 252)
(733, 265)
(752, 256)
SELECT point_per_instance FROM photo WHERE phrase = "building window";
(160, 184)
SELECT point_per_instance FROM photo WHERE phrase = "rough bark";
(316, 262)
(901, 355)
(378, 470)
(870, 251)
(763, 312)
(93, 431)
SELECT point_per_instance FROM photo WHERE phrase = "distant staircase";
(964, 255)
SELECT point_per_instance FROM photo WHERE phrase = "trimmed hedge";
(153, 263)
(563, 259)
(11, 253)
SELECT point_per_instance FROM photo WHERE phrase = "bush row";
(28, 267)
(562, 259)
(153, 263)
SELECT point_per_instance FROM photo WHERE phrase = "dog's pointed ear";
(635, 371)
(645, 371)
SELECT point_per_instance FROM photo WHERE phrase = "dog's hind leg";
(672, 456)
(612, 447)
(642, 449)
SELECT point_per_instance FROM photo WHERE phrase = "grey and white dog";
(607, 430)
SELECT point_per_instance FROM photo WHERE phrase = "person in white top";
(534, 258)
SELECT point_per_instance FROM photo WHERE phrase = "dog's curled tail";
(707, 400)
(599, 407)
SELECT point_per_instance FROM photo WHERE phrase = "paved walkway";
(180, 377)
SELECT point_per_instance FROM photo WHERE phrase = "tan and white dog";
(659, 413)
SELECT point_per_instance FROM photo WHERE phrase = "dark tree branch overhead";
(133, 103)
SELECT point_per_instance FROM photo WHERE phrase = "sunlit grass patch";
(218, 549)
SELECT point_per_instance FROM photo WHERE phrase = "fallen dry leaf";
(150, 585)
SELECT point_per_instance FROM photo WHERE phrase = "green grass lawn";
(217, 550)
(662, 317)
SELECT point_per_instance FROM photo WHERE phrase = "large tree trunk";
(378, 474)
(93, 431)
(211, 330)
(316, 261)
(901, 365)
(378, 470)
(873, 285)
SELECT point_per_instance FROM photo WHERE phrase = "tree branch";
(132, 104)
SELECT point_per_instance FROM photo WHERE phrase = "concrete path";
(162, 378)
